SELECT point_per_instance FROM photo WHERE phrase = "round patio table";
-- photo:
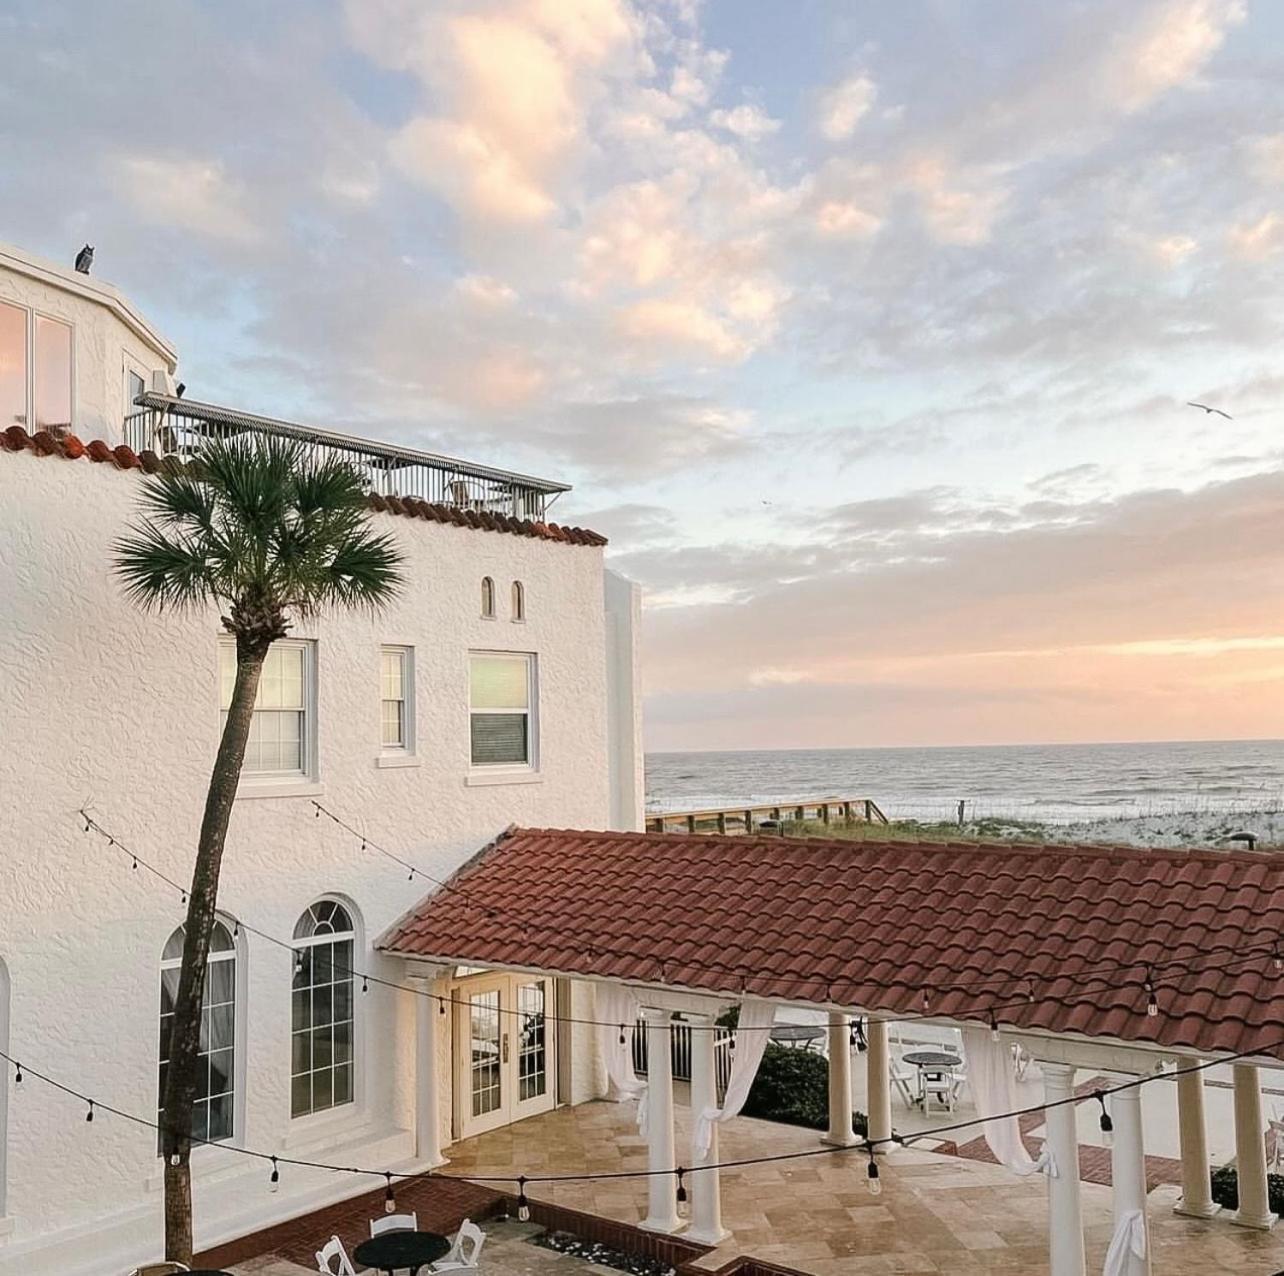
(929, 1059)
(797, 1034)
(401, 1251)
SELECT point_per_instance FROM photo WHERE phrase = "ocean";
(1051, 784)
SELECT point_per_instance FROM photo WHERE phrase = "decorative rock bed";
(604, 1255)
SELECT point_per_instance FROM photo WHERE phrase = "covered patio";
(1109, 963)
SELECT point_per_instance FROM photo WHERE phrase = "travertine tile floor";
(935, 1214)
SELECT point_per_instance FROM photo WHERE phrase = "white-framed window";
(322, 1010)
(397, 699)
(519, 601)
(488, 598)
(501, 700)
(282, 732)
(36, 370)
(135, 384)
(214, 1113)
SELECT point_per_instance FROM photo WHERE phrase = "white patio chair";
(331, 1250)
(905, 1079)
(942, 1085)
(1020, 1061)
(394, 1223)
(466, 1250)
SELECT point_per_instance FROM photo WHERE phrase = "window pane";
(393, 734)
(53, 374)
(13, 366)
(499, 682)
(220, 978)
(220, 1117)
(301, 1053)
(393, 674)
(343, 1084)
(322, 1090)
(301, 1095)
(498, 738)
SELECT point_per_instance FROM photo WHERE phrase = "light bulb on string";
(274, 1179)
(523, 1205)
(17, 1074)
(175, 1159)
(872, 1180)
(1277, 959)
(926, 1000)
(731, 1042)
(681, 1194)
(441, 1005)
(622, 1034)
(365, 983)
(1107, 1125)
(183, 901)
(89, 1116)
(1152, 1005)
(134, 866)
(389, 1196)
(994, 1027)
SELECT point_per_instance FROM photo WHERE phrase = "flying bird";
(84, 259)
(1207, 409)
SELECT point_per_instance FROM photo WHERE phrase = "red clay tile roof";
(870, 925)
(16, 439)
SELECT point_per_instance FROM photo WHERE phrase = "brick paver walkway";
(1094, 1160)
(441, 1204)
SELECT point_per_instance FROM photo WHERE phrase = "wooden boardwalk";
(751, 819)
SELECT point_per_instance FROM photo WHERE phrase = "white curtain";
(1129, 1240)
(617, 1015)
(991, 1076)
(756, 1018)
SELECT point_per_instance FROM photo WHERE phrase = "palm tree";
(253, 527)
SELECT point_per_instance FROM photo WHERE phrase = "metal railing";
(170, 426)
(680, 1052)
(748, 819)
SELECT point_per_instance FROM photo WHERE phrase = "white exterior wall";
(104, 705)
(108, 336)
(624, 709)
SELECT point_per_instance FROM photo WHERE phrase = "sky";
(865, 331)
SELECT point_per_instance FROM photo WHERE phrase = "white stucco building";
(501, 688)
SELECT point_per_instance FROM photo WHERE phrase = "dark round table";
(932, 1059)
(797, 1034)
(401, 1251)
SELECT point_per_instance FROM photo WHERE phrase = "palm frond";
(161, 571)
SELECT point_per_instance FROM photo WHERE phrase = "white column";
(840, 1082)
(662, 1206)
(1128, 1169)
(1196, 1197)
(427, 1089)
(1065, 1222)
(705, 1188)
(1250, 1151)
(878, 1084)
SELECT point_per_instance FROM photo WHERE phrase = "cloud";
(189, 194)
(1258, 239)
(844, 106)
(746, 121)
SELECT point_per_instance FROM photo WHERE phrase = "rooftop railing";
(170, 426)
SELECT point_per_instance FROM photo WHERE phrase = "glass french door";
(505, 1063)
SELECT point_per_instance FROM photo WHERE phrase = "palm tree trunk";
(202, 899)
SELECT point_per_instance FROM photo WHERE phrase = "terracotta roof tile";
(16, 439)
(871, 925)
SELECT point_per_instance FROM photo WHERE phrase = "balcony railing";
(170, 426)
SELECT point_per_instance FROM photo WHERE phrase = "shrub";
(792, 1086)
(1225, 1188)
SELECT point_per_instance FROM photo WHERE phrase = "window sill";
(320, 1129)
(278, 789)
(482, 778)
(397, 760)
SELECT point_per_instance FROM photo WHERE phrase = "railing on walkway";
(680, 1052)
(170, 426)
(750, 819)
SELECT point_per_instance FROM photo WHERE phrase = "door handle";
(505, 1048)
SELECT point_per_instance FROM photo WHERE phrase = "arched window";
(321, 1012)
(519, 600)
(213, 1115)
(488, 596)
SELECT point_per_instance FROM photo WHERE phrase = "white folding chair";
(939, 1083)
(903, 1078)
(394, 1223)
(331, 1250)
(466, 1250)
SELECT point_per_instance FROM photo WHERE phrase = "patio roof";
(872, 926)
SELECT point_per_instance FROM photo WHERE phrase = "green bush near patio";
(1225, 1188)
(792, 1086)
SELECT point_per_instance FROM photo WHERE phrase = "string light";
(622, 1034)
(994, 1027)
(89, 1116)
(135, 864)
(274, 1179)
(441, 1005)
(1152, 1005)
(389, 1196)
(523, 1205)
(1277, 958)
(17, 1074)
(681, 1194)
(1107, 1125)
(1090, 975)
(872, 1180)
